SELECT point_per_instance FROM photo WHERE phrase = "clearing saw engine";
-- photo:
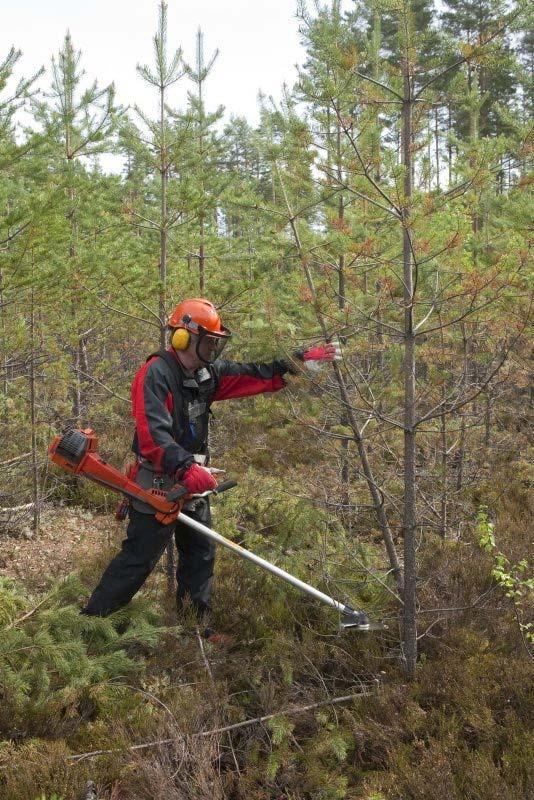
(76, 451)
(68, 450)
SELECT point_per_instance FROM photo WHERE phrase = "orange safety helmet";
(198, 313)
(200, 318)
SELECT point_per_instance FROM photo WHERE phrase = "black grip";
(223, 487)
(176, 493)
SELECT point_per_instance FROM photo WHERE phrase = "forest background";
(384, 201)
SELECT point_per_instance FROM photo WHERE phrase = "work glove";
(197, 479)
(316, 357)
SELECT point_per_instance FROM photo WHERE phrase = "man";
(171, 398)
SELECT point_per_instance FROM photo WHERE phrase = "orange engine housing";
(76, 451)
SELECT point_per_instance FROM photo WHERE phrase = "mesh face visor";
(210, 345)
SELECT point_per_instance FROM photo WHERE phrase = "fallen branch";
(8, 515)
(16, 458)
(77, 757)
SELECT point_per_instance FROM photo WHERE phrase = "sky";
(258, 44)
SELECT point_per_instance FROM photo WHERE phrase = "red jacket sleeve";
(235, 379)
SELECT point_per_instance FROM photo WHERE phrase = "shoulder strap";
(175, 379)
(175, 372)
(174, 369)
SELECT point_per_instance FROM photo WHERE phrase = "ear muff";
(180, 339)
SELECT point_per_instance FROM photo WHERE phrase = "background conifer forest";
(384, 202)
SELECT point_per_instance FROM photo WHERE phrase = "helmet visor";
(210, 345)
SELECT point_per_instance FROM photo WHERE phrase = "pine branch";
(91, 378)
(28, 614)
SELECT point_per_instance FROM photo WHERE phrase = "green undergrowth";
(462, 730)
(72, 685)
(59, 668)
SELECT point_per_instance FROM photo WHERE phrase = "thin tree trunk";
(436, 139)
(444, 458)
(444, 470)
(199, 77)
(164, 167)
(5, 360)
(201, 255)
(5, 349)
(487, 421)
(341, 305)
(461, 454)
(429, 150)
(377, 38)
(76, 391)
(449, 143)
(201, 258)
(379, 332)
(409, 517)
(33, 413)
(474, 125)
(164, 171)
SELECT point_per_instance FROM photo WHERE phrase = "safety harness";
(192, 398)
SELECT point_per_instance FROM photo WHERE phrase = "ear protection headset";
(180, 339)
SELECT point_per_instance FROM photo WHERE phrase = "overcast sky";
(258, 43)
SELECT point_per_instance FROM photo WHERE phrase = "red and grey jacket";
(171, 409)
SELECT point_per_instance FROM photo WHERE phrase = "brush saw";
(76, 452)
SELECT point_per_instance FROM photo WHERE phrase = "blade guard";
(75, 452)
(354, 620)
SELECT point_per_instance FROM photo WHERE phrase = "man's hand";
(197, 479)
(315, 357)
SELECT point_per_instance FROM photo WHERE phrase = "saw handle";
(179, 491)
(224, 486)
(176, 493)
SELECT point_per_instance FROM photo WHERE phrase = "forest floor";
(67, 537)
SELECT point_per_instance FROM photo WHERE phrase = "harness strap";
(176, 386)
(184, 413)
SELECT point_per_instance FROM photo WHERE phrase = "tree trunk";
(444, 470)
(201, 254)
(164, 171)
(164, 168)
(76, 390)
(409, 517)
(449, 144)
(474, 126)
(33, 413)
(5, 359)
(201, 258)
(341, 305)
(461, 454)
(436, 139)
(487, 421)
